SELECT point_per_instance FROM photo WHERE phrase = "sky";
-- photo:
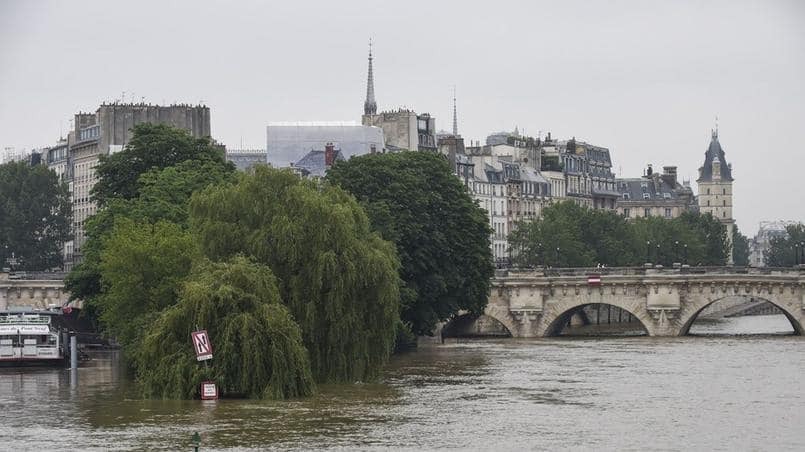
(646, 79)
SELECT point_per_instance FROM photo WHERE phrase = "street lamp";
(557, 256)
(685, 247)
(796, 253)
(648, 250)
(541, 255)
(658, 254)
(676, 250)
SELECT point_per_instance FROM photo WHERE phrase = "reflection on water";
(700, 393)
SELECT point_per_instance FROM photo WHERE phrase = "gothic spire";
(369, 105)
(455, 115)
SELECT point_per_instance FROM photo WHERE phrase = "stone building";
(760, 245)
(655, 195)
(243, 159)
(107, 131)
(587, 170)
(316, 162)
(403, 129)
(715, 187)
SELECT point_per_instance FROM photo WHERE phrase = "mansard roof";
(714, 152)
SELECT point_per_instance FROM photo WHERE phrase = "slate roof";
(657, 189)
(714, 152)
(313, 162)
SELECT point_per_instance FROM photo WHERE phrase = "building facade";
(655, 195)
(105, 132)
(760, 245)
(715, 187)
(243, 159)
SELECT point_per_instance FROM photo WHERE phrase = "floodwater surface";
(729, 393)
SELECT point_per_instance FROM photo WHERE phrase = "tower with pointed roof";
(455, 114)
(370, 105)
(715, 187)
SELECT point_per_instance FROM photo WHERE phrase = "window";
(725, 203)
(646, 196)
(647, 212)
(723, 214)
(708, 203)
(666, 196)
(723, 191)
(708, 191)
(667, 212)
(626, 196)
(626, 212)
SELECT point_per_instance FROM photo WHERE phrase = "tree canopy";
(740, 247)
(568, 235)
(35, 216)
(783, 249)
(441, 235)
(338, 279)
(141, 266)
(162, 194)
(152, 146)
(258, 350)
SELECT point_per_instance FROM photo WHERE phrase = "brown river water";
(728, 392)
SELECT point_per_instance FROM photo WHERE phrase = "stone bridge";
(538, 303)
(36, 290)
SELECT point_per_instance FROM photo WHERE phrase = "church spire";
(455, 115)
(369, 105)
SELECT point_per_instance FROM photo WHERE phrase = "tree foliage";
(441, 235)
(740, 247)
(35, 216)
(152, 146)
(338, 278)
(163, 194)
(142, 266)
(568, 235)
(258, 350)
(783, 249)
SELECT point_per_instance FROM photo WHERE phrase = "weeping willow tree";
(257, 345)
(338, 278)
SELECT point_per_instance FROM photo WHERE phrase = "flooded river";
(692, 393)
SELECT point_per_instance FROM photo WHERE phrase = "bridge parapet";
(666, 300)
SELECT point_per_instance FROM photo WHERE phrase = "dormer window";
(666, 196)
(646, 196)
(626, 196)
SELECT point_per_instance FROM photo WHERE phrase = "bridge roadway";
(538, 303)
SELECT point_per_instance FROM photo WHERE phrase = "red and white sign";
(209, 391)
(594, 280)
(202, 344)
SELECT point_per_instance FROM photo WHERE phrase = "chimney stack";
(329, 155)
(669, 175)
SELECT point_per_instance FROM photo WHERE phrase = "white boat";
(29, 338)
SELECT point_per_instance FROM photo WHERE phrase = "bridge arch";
(696, 306)
(461, 325)
(556, 315)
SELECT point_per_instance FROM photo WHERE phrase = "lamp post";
(648, 251)
(676, 251)
(557, 256)
(658, 254)
(796, 253)
(685, 247)
(802, 252)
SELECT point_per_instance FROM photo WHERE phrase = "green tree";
(740, 247)
(142, 266)
(152, 146)
(441, 235)
(338, 278)
(783, 250)
(164, 195)
(713, 235)
(35, 216)
(554, 240)
(258, 350)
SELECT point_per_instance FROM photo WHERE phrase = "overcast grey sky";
(644, 78)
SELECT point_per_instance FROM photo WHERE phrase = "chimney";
(329, 155)
(669, 175)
